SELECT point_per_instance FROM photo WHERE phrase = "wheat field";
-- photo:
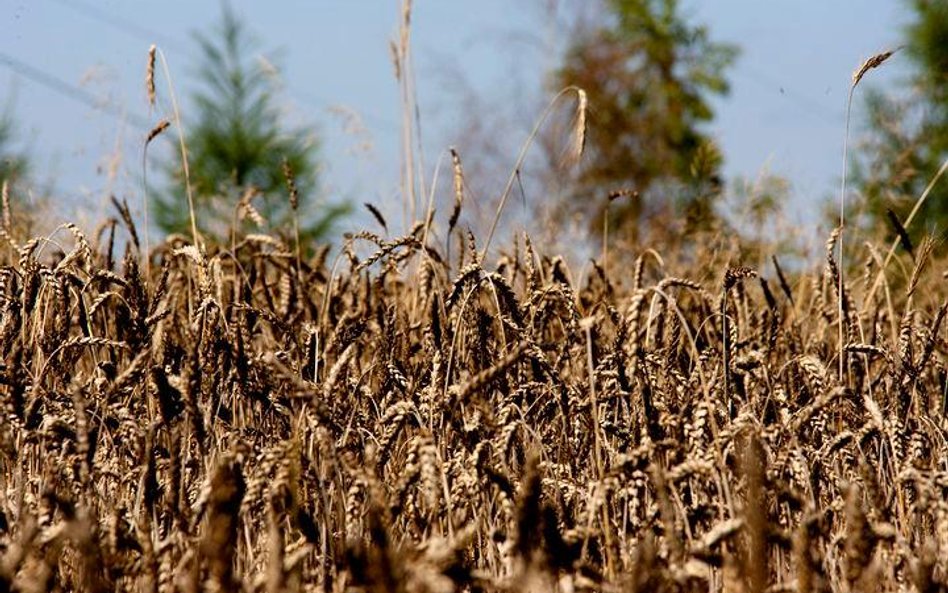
(422, 418)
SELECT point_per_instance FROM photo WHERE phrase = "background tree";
(907, 138)
(649, 75)
(14, 165)
(238, 143)
(28, 203)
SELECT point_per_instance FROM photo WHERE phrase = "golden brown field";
(243, 419)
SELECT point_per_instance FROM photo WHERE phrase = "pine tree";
(238, 145)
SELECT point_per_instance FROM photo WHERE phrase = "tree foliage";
(907, 139)
(25, 203)
(238, 143)
(14, 165)
(649, 75)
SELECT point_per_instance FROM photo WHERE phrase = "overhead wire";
(178, 47)
(70, 91)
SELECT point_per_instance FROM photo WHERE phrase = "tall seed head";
(150, 75)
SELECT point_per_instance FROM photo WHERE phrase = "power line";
(70, 91)
(121, 24)
(803, 101)
(176, 46)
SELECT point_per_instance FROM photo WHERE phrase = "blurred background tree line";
(907, 139)
(650, 75)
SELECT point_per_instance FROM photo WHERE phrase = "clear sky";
(785, 111)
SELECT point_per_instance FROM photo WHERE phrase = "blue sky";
(785, 111)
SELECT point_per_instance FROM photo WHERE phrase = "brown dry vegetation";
(243, 420)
